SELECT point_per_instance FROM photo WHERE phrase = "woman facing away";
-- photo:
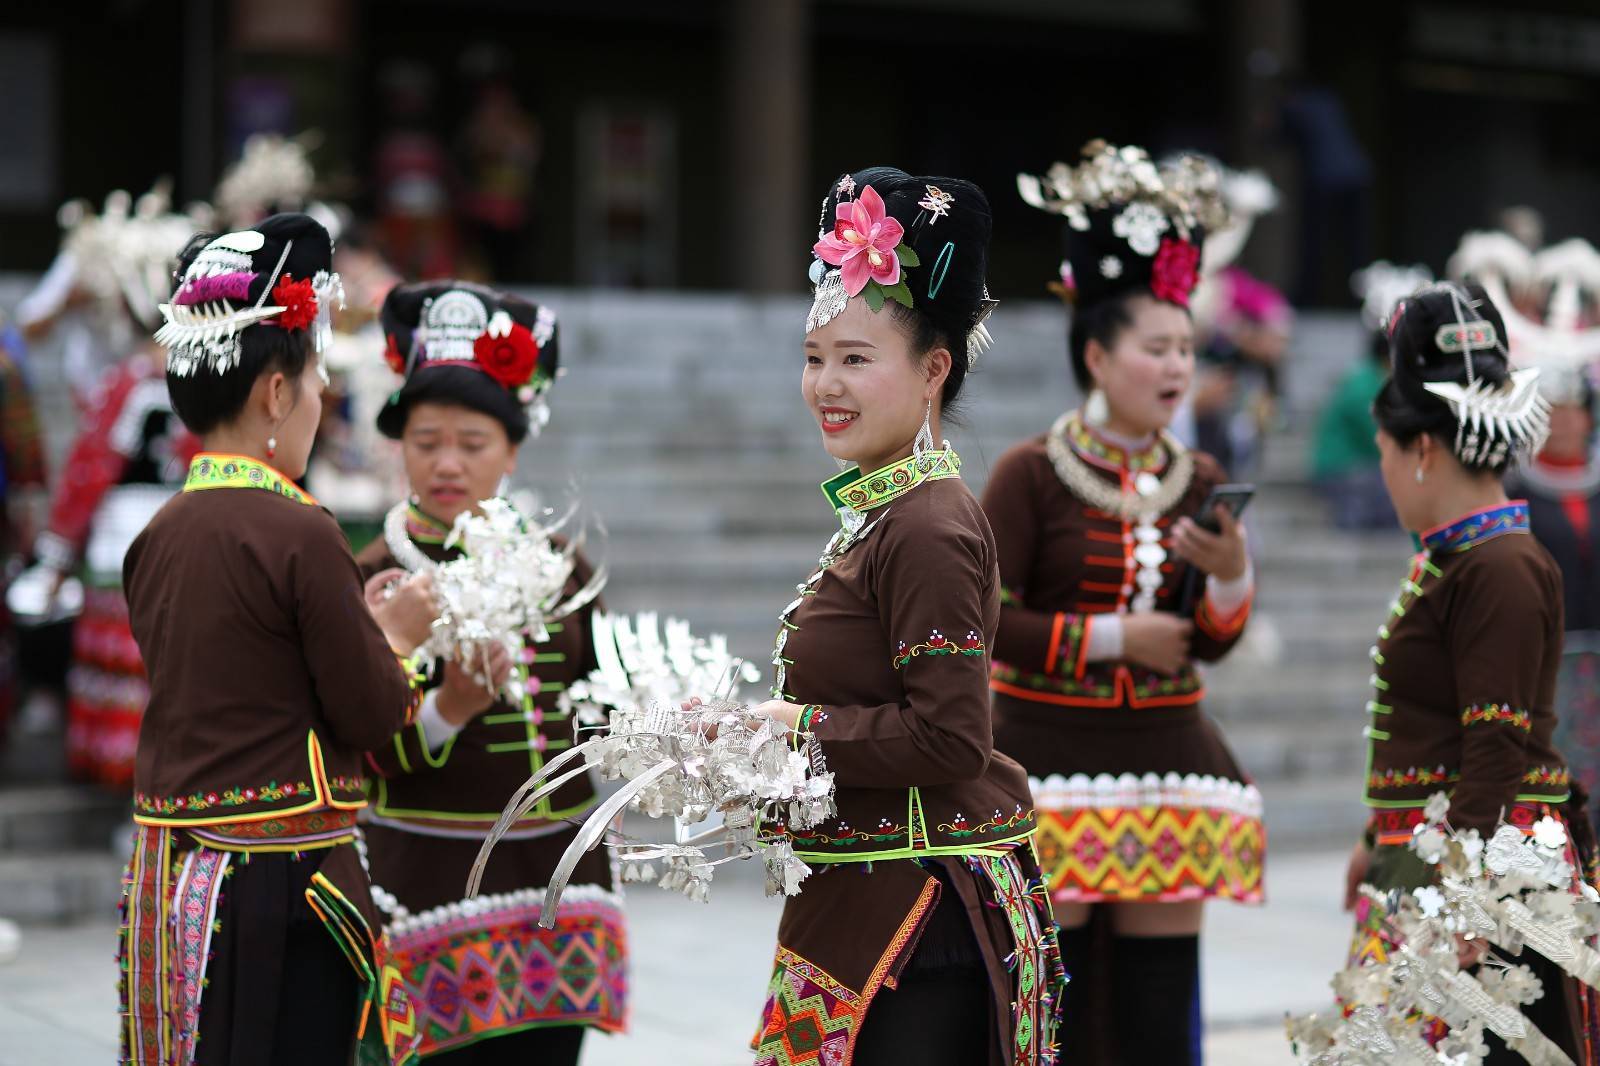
(923, 935)
(477, 366)
(1144, 813)
(1464, 669)
(249, 936)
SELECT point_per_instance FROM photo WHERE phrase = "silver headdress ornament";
(205, 332)
(1493, 421)
(124, 254)
(272, 171)
(1382, 285)
(1187, 191)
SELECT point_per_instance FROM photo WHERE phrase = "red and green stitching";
(939, 644)
(960, 825)
(1497, 713)
(233, 797)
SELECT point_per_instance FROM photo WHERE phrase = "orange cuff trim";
(1083, 649)
(1223, 628)
(1054, 651)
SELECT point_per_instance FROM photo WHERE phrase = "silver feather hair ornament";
(1493, 421)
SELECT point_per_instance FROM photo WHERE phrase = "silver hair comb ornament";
(716, 760)
(1494, 421)
(980, 339)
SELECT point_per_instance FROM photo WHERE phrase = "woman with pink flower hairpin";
(923, 934)
(1144, 814)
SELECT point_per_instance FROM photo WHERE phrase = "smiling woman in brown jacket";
(249, 937)
(923, 936)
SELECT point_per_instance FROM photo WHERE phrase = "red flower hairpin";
(392, 356)
(507, 352)
(298, 300)
(1175, 272)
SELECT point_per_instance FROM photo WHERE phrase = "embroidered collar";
(1471, 530)
(209, 470)
(423, 527)
(853, 491)
(1097, 448)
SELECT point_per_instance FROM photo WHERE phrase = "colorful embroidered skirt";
(482, 968)
(106, 691)
(812, 1016)
(216, 943)
(1136, 806)
(1577, 734)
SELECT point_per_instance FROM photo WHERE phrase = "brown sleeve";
(1214, 635)
(364, 690)
(1047, 642)
(1497, 629)
(929, 576)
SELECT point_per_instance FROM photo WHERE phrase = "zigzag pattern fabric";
(477, 976)
(809, 1016)
(1151, 854)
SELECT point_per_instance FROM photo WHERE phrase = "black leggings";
(554, 1046)
(936, 1018)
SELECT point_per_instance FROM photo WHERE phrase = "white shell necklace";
(1152, 497)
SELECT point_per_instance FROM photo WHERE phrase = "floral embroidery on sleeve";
(939, 644)
(1497, 712)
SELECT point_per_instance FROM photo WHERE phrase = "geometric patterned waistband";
(309, 831)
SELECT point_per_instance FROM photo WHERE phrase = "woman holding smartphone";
(1143, 811)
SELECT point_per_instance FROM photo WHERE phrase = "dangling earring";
(922, 447)
(414, 499)
(1096, 411)
(1419, 475)
(504, 488)
(272, 447)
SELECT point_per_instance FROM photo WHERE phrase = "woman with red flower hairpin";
(1143, 812)
(477, 365)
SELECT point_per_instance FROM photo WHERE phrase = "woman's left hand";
(780, 710)
(1223, 555)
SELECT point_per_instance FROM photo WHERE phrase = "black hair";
(925, 335)
(205, 399)
(1404, 408)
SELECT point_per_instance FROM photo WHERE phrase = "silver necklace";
(1152, 497)
(399, 541)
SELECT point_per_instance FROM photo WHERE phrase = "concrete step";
(62, 887)
(60, 817)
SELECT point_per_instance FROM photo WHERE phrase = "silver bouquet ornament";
(508, 583)
(729, 780)
(1515, 890)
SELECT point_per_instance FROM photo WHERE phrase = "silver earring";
(415, 499)
(1096, 411)
(1419, 475)
(922, 447)
(504, 488)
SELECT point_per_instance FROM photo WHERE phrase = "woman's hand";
(1223, 555)
(461, 698)
(780, 710)
(1158, 640)
(405, 611)
(1470, 952)
(1355, 873)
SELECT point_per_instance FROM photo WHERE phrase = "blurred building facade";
(678, 145)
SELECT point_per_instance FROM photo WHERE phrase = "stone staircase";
(680, 423)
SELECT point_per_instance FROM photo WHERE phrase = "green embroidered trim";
(851, 489)
(958, 826)
(1497, 712)
(211, 471)
(423, 528)
(1085, 442)
(988, 847)
(939, 644)
(1099, 685)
